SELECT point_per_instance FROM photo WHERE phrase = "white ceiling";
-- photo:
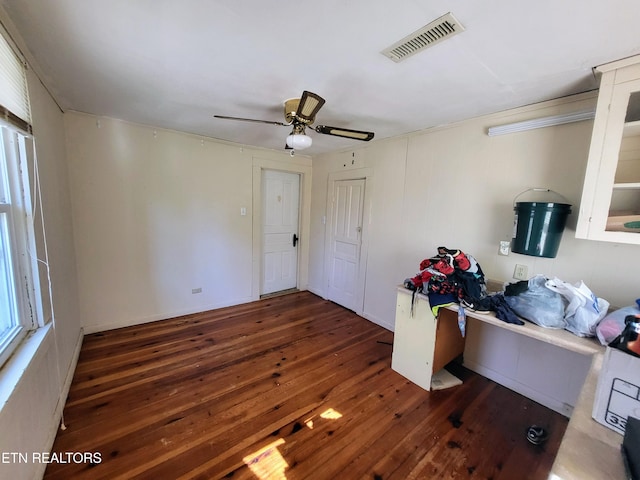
(174, 64)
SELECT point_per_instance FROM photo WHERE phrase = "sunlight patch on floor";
(331, 414)
(328, 414)
(268, 463)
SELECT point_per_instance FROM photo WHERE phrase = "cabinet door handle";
(295, 239)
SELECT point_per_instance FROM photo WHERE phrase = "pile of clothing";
(453, 276)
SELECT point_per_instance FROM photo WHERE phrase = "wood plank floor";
(293, 387)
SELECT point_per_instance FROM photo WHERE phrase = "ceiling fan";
(300, 113)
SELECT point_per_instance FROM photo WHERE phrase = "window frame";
(16, 155)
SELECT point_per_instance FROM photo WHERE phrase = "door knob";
(295, 239)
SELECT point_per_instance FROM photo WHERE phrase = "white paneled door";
(280, 203)
(346, 242)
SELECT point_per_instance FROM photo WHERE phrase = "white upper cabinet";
(610, 205)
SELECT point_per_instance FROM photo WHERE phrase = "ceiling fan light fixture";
(299, 141)
(300, 113)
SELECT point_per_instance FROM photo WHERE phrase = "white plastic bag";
(538, 304)
(612, 325)
(583, 310)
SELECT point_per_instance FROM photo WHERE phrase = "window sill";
(31, 348)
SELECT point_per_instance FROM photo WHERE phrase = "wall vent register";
(427, 36)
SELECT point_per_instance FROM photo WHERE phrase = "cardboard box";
(618, 391)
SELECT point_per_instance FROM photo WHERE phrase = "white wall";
(36, 379)
(455, 186)
(157, 213)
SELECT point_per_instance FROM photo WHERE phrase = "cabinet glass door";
(624, 207)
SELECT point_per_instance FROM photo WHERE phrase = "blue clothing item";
(439, 300)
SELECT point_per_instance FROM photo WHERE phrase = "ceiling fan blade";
(345, 132)
(308, 107)
(270, 122)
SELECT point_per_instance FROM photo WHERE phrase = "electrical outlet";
(521, 272)
(504, 247)
(196, 290)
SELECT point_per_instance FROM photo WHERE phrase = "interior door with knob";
(346, 242)
(280, 236)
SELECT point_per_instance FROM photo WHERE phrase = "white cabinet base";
(547, 366)
(422, 344)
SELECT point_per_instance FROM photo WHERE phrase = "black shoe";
(474, 305)
(536, 435)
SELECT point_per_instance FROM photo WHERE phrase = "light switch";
(243, 211)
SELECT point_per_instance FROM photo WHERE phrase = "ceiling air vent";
(440, 29)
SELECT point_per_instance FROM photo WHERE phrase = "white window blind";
(14, 94)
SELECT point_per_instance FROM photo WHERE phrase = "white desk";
(423, 345)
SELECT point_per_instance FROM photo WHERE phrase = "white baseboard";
(66, 386)
(369, 316)
(379, 321)
(62, 400)
(88, 329)
(316, 291)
